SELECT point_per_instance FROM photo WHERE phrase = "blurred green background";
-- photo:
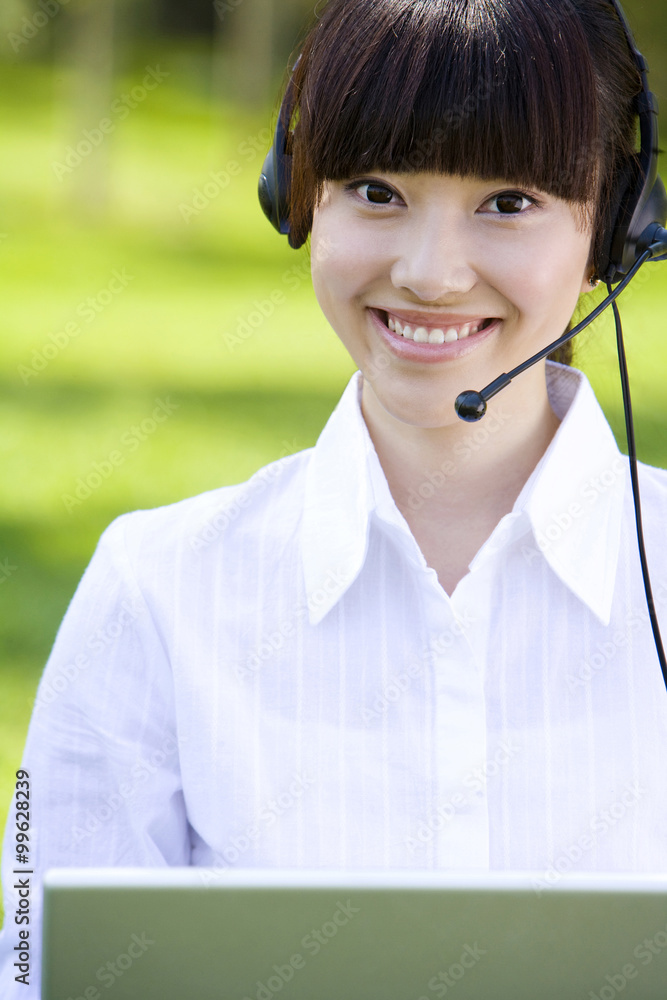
(136, 266)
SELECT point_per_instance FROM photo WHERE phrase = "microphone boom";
(471, 405)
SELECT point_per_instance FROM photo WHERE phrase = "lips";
(431, 337)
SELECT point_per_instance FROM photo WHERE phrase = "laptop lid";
(181, 933)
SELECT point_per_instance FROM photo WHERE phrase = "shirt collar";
(572, 503)
(575, 497)
(337, 503)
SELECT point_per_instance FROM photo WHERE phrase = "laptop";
(202, 934)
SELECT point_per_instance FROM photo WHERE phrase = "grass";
(189, 288)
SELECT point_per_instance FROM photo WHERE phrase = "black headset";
(275, 180)
(639, 198)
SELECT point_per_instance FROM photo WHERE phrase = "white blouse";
(271, 675)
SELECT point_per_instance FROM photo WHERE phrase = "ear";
(590, 282)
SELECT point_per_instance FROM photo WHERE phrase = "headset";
(275, 180)
(638, 201)
(638, 210)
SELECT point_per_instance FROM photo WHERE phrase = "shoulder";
(220, 521)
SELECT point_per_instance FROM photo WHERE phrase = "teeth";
(421, 335)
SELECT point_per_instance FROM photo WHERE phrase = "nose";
(434, 260)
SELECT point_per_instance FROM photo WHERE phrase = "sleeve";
(102, 752)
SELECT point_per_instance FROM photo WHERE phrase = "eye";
(373, 192)
(510, 203)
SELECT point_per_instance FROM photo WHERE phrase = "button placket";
(458, 825)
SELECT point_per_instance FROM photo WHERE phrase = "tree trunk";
(246, 57)
(89, 45)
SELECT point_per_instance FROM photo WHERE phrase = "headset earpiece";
(275, 180)
(640, 199)
(651, 213)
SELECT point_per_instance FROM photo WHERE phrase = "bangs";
(484, 88)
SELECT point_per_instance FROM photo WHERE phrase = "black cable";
(634, 476)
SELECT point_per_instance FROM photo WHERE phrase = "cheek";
(342, 266)
(545, 283)
(331, 279)
(570, 252)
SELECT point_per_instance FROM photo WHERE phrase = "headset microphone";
(636, 234)
(471, 405)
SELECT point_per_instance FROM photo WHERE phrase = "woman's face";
(436, 284)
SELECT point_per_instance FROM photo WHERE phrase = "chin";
(412, 404)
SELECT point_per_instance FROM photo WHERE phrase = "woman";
(423, 643)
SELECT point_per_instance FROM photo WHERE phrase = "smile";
(444, 334)
(425, 339)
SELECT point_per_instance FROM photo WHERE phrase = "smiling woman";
(376, 620)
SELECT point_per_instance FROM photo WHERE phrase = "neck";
(463, 478)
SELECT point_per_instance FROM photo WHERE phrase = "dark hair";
(539, 92)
